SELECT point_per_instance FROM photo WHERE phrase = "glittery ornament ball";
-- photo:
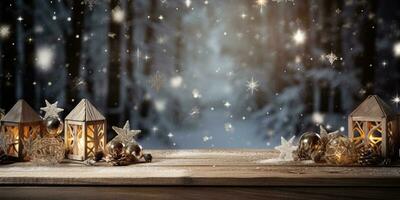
(54, 125)
(309, 142)
(340, 151)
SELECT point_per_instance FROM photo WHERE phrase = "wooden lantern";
(85, 131)
(374, 123)
(20, 126)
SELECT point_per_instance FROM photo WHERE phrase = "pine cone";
(369, 155)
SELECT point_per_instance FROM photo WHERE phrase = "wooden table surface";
(187, 172)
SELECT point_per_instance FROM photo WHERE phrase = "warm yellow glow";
(261, 4)
(396, 49)
(299, 37)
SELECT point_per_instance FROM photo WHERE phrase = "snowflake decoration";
(90, 3)
(286, 149)
(157, 81)
(125, 134)
(51, 110)
(252, 85)
(331, 58)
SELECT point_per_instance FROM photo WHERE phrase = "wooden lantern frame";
(85, 131)
(374, 123)
(20, 127)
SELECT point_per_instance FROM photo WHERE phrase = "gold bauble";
(340, 151)
(115, 148)
(309, 143)
(134, 149)
(54, 126)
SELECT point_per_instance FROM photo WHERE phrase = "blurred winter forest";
(203, 73)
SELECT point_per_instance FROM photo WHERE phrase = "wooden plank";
(203, 168)
(209, 193)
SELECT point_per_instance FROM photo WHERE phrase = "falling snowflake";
(156, 81)
(194, 112)
(207, 138)
(227, 104)
(90, 3)
(261, 4)
(286, 149)
(196, 94)
(170, 135)
(176, 81)
(79, 82)
(396, 100)
(4, 31)
(331, 58)
(317, 117)
(252, 85)
(188, 3)
(118, 15)
(228, 127)
(51, 110)
(396, 49)
(299, 37)
(44, 58)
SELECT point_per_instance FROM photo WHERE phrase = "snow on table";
(208, 167)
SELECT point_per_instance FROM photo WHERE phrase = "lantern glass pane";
(358, 133)
(75, 140)
(375, 133)
(94, 138)
(29, 135)
(11, 138)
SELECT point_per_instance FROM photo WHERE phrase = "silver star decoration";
(125, 135)
(286, 149)
(51, 110)
(331, 57)
(325, 136)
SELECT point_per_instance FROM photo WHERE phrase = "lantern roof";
(373, 107)
(21, 112)
(84, 112)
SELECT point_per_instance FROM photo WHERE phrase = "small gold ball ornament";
(54, 126)
(309, 143)
(134, 149)
(115, 148)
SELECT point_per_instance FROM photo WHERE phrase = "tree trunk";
(130, 62)
(9, 54)
(367, 34)
(73, 47)
(114, 68)
(27, 54)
